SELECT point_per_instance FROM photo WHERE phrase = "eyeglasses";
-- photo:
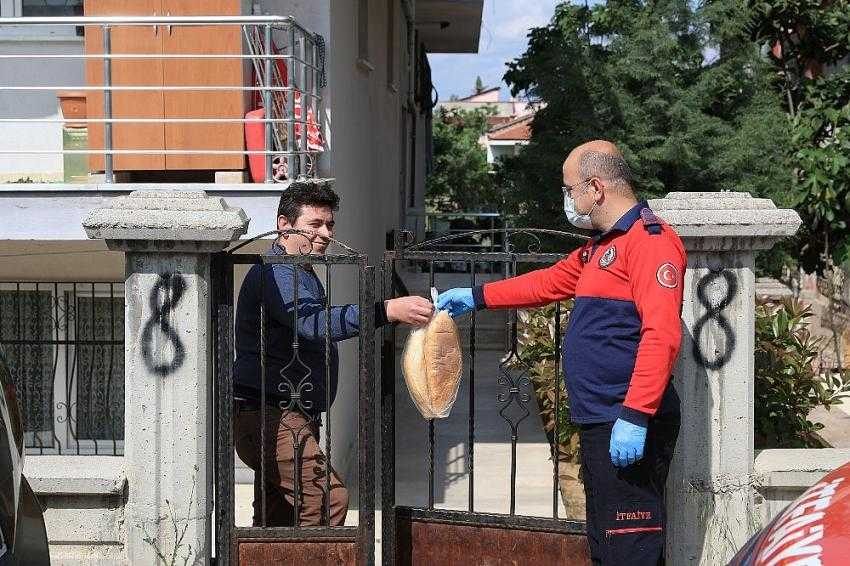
(568, 189)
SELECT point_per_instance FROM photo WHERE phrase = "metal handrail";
(154, 88)
(459, 214)
(143, 151)
(146, 56)
(153, 20)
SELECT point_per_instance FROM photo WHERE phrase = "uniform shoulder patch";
(667, 275)
(608, 257)
(650, 221)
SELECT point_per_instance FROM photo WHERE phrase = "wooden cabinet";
(147, 104)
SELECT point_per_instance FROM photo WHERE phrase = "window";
(51, 8)
(44, 8)
(41, 8)
(64, 344)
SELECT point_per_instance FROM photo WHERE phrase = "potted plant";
(73, 106)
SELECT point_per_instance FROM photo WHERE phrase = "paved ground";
(491, 462)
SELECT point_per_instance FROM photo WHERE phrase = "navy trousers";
(625, 506)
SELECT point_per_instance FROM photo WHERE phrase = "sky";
(504, 27)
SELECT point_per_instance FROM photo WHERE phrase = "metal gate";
(280, 535)
(425, 533)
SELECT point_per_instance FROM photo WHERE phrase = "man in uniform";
(619, 349)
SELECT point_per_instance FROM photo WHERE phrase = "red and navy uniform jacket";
(625, 329)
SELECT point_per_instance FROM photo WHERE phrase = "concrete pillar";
(167, 237)
(710, 490)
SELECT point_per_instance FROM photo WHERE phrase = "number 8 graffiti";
(173, 286)
(715, 313)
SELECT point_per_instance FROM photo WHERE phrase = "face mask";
(578, 220)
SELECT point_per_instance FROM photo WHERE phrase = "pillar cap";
(726, 220)
(163, 220)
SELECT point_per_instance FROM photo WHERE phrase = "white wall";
(32, 104)
(498, 150)
(364, 140)
(363, 114)
(782, 475)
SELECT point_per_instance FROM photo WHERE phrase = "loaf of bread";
(432, 364)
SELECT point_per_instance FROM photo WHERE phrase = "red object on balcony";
(255, 140)
(255, 136)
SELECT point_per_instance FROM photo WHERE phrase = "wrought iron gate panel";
(304, 544)
(412, 533)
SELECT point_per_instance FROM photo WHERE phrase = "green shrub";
(536, 348)
(787, 384)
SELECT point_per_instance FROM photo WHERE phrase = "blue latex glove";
(457, 301)
(627, 442)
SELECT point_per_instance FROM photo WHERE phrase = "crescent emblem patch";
(667, 275)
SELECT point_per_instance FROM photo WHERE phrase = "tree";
(460, 179)
(807, 40)
(479, 85)
(679, 87)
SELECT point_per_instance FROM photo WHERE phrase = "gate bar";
(223, 387)
(366, 344)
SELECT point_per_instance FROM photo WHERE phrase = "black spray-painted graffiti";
(163, 298)
(714, 314)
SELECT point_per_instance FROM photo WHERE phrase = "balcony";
(144, 101)
(162, 99)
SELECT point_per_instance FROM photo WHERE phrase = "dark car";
(814, 529)
(23, 538)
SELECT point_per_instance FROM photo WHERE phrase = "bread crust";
(432, 364)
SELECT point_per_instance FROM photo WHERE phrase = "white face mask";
(578, 220)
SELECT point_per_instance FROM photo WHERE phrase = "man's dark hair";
(606, 166)
(316, 193)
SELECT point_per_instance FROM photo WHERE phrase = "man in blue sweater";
(302, 364)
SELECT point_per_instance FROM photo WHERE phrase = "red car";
(813, 530)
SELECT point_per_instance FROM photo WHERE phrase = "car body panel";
(813, 530)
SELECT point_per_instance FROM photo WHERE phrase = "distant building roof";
(486, 95)
(494, 121)
(518, 129)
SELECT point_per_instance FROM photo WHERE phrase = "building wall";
(504, 108)
(365, 121)
(371, 156)
(499, 150)
(371, 153)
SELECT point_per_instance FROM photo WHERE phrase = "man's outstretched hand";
(409, 310)
(457, 301)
